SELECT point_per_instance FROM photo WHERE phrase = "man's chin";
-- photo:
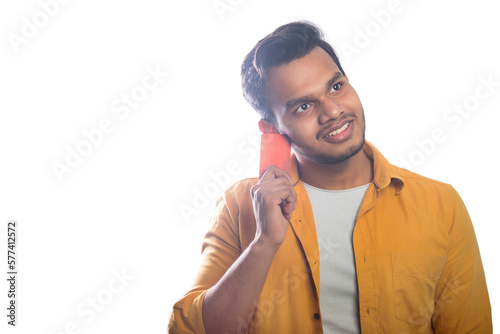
(328, 159)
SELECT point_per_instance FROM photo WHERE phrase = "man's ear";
(267, 127)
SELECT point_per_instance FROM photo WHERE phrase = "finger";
(273, 188)
(287, 209)
(274, 184)
(274, 172)
(288, 202)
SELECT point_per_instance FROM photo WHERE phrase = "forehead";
(301, 77)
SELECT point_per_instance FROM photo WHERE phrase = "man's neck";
(351, 173)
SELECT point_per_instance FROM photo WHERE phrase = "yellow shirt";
(417, 261)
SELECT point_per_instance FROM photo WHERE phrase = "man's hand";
(274, 200)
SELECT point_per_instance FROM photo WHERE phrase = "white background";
(120, 208)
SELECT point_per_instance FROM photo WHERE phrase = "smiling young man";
(344, 243)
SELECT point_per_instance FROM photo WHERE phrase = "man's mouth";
(336, 132)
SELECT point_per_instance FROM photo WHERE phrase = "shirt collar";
(384, 173)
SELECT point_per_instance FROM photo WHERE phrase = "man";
(345, 243)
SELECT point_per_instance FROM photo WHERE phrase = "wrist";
(263, 246)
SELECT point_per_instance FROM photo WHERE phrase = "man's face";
(317, 108)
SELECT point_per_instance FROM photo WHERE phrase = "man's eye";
(303, 107)
(335, 87)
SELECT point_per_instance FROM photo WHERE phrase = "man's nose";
(329, 110)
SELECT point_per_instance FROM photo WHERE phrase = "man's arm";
(228, 284)
(234, 298)
(232, 301)
(462, 304)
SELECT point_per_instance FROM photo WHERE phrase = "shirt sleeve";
(462, 304)
(221, 247)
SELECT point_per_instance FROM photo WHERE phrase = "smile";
(336, 132)
(339, 134)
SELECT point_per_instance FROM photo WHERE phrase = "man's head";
(294, 80)
(288, 42)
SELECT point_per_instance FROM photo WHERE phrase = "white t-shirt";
(335, 215)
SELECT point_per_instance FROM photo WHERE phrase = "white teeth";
(336, 132)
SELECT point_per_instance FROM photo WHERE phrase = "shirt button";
(316, 316)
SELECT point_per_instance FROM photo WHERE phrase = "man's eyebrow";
(335, 77)
(295, 102)
(306, 98)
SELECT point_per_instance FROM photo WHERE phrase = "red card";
(275, 150)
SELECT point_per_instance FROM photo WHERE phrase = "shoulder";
(422, 186)
(412, 178)
(237, 197)
(436, 203)
(241, 187)
(239, 192)
(234, 211)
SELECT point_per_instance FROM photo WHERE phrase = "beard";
(328, 159)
